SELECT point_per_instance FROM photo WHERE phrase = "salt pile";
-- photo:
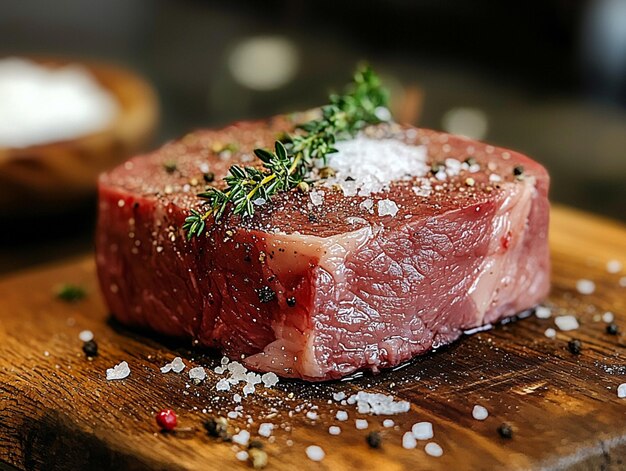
(39, 105)
(378, 404)
(371, 164)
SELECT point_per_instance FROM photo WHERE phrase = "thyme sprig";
(294, 157)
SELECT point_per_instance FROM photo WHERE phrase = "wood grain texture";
(57, 411)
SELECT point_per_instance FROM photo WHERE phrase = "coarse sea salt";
(334, 430)
(372, 164)
(311, 415)
(315, 453)
(614, 266)
(197, 374)
(339, 396)
(550, 333)
(387, 207)
(566, 323)
(265, 429)
(433, 449)
(543, 312)
(242, 438)
(480, 412)
(119, 371)
(408, 441)
(176, 365)
(40, 104)
(85, 335)
(621, 391)
(242, 455)
(423, 431)
(361, 424)
(387, 423)
(269, 379)
(341, 415)
(585, 286)
(378, 404)
(608, 317)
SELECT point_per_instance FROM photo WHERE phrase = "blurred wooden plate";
(51, 177)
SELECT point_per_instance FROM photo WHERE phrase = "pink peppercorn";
(166, 419)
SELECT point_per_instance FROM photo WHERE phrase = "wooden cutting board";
(57, 411)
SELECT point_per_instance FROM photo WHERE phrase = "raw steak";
(359, 274)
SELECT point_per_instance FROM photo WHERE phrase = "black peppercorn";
(90, 348)
(291, 301)
(575, 346)
(518, 171)
(266, 294)
(208, 177)
(312, 217)
(374, 439)
(505, 431)
(217, 428)
(612, 329)
(256, 444)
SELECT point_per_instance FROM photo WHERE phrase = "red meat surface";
(319, 292)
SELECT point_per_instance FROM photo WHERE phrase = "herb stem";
(292, 161)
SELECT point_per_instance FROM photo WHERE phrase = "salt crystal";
(317, 197)
(269, 379)
(219, 370)
(176, 366)
(242, 455)
(543, 312)
(479, 412)
(341, 415)
(584, 286)
(621, 391)
(248, 389)
(237, 398)
(119, 371)
(566, 323)
(339, 396)
(311, 415)
(259, 202)
(232, 414)
(422, 430)
(315, 453)
(494, 177)
(608, 317)
(224, 361)
(265, 429)
(550, 333)
(382, 113)
(222, 385)
(613, 266)
(408, 441)
(361, 424)
(253, 378)
(198, 373)
(85, 335)
(367, 205)
(242, 438)
(334, 430)
(433, 449)
(387, 208)
(387, 423)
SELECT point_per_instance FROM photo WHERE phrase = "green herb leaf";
(70, 292)
(295, 155)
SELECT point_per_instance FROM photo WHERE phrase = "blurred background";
(546, 77)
